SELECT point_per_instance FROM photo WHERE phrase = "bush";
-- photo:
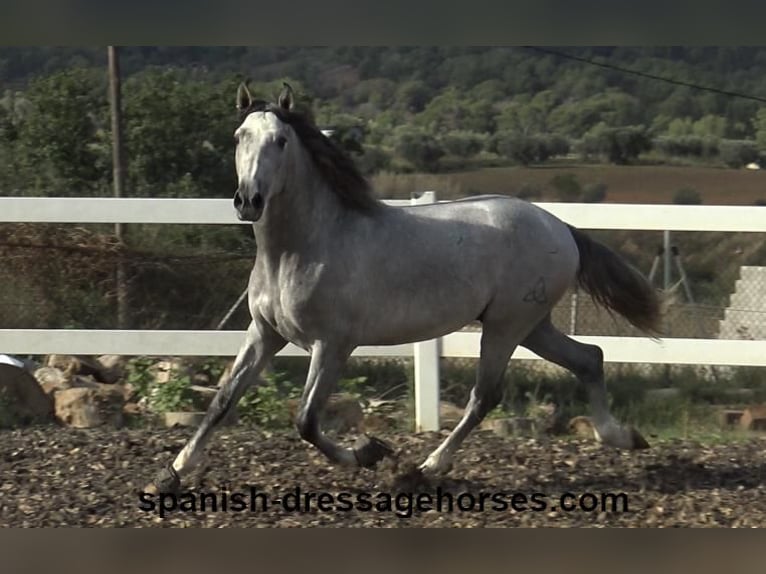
(527, 149)
(266, 405)
(174, 396)
(373, 160)
(687, 196)
(738, 153)
(594, 193)
(557, 145)
(687, 146)
(529, 191)
(567, 187)
(421, 149)
(463, 144)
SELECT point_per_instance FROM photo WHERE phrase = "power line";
(644, 74)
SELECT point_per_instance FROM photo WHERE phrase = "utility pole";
(118, 176)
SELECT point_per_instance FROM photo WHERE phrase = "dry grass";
(400, 186)
(625, 184)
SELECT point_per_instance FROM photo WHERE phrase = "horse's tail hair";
(616, 285)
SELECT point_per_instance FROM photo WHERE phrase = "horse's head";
(263, 143)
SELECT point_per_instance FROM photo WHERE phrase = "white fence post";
(426, 363)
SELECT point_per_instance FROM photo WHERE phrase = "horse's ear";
(244, 99)
(286, 99)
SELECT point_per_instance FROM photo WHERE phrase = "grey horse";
(337, 269)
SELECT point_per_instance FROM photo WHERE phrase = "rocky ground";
(53, 476)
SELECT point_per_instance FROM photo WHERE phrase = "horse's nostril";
(237, 200)
(257, 201)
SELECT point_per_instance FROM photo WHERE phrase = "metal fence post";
(426, 356)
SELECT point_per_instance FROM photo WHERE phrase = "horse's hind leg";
(586, 362)
(260, 345)
(497, 345)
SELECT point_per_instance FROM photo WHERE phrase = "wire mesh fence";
(58, 276)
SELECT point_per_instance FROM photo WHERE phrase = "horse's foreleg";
(586, 362)
(260, 345)
(327, 363)
(496, 348)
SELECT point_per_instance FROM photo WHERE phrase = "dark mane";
(333, 163)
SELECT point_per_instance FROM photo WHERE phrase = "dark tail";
(615, 284)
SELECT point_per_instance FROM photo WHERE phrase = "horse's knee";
(482, 403)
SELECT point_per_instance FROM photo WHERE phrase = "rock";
(72, 365)
(730, 417)
(51, 379)
(132, 409)
(499, 426)
(546, 419)
(203, 396)
(582, 427)
(754, 418)
(511, 426)
(165, 371)
(90, 406)
(183, 419)
(113, 367)
(226, 375)
(383, 406)
(201, 379)
(22, 400)
(449, 415)
(379, 423)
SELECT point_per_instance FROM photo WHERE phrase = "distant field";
(628, 184)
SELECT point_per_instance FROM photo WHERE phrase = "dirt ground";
(51, 476)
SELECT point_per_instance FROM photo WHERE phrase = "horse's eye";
(281, 141)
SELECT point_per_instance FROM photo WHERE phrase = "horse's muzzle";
(248, 208)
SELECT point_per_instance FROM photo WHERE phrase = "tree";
(174, 127)
(613, 109)
(420, 148)
(711, 126)
(759, 123)
(463, 144)
(451, 110)
(413, 96)
(619, 145)
(63, 142)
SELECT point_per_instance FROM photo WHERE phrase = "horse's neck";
(301, 219)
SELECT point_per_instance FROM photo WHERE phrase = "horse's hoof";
(370, 450)
(431, 473)
(639, 442)
(166, 481)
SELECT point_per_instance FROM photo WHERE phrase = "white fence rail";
(220, 211)
(426, 354)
